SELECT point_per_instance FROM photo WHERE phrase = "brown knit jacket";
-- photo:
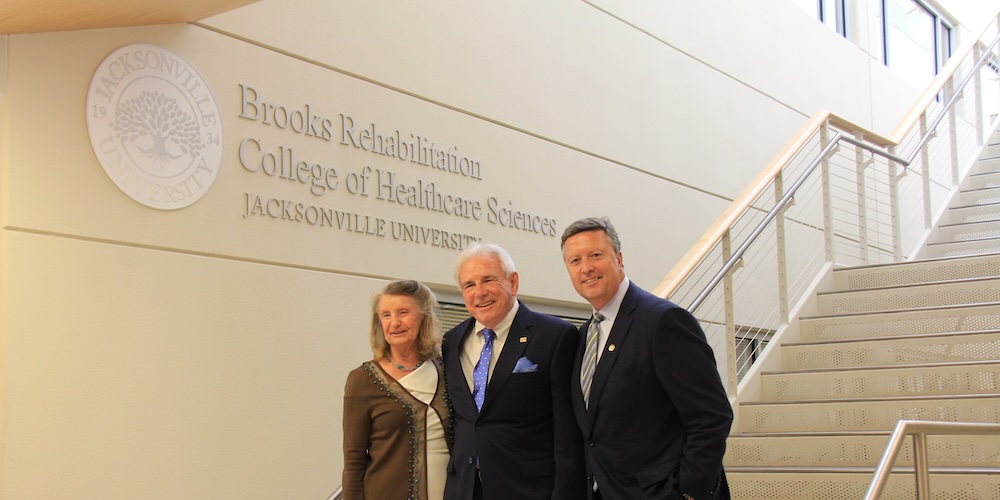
(384, 429)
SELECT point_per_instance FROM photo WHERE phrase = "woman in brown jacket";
(397, 430)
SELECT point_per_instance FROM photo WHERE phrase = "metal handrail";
(337, 495)
(845, 196)
(781, 204)
(681, 272)
(920, 429)
(778, 208)
(831, 146)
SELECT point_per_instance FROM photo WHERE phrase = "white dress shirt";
(473, 345)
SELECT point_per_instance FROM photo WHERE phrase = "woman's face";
(400, 317)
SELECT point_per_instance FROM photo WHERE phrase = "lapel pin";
(611, 348)
(524, 339)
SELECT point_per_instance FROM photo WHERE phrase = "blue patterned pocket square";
(524, 365)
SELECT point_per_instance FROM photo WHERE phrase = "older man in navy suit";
(649, 400)
(508, 373)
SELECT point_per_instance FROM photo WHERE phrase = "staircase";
(916, 340)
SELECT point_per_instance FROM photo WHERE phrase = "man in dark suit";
(656, 416)
(523, 443)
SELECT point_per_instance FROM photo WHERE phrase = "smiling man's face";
(594, 267)
(489, 294)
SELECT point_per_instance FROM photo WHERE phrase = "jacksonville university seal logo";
(154, 126)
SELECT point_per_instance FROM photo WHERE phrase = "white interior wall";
(142, 373)
(202, 353)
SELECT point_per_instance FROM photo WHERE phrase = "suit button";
(479, 426)
(590, 443)
(471, 461)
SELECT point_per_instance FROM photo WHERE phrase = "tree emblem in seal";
(154, 126)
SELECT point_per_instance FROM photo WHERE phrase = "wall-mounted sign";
(154, 126)
(405, 170)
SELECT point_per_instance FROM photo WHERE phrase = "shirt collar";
(610, 310)
(504, 326)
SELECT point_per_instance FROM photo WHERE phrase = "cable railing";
(920, 429)
(837, 195)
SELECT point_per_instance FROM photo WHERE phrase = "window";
(828, 12)
(944, 46)
(832, 15)
(916, 40)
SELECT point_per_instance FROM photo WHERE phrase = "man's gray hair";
(593, 224)
(477, 249)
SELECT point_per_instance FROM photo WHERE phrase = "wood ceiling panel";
(32, 16)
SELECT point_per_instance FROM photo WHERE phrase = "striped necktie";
(590, 356)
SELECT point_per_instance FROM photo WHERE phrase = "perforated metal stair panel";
(966, 232)
(992, 147)
(892, 352)
(911, 297)
(975, 213)
(944, 320)
(791, 486)
(982, 180)
(976, 197)
(909, 273)
(962, 248)
(856, 451)
(989, 161)
(878, 415)
(911, 381)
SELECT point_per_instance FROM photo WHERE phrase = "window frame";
(942, 36)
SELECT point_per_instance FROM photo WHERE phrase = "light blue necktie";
(482, 371)
(589, 363)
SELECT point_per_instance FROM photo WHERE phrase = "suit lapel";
(513, 349)
(453, 357)
(612, 349)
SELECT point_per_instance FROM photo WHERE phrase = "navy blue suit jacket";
(526, 438)
(659, 415)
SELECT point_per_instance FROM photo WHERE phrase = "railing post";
(952, 134)
(925, 169)
(779, 229)
(894, 222)
(978, 83)
(824, 139)
(995, 56)
(859, 174)
(921, 469)
(727, 287)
